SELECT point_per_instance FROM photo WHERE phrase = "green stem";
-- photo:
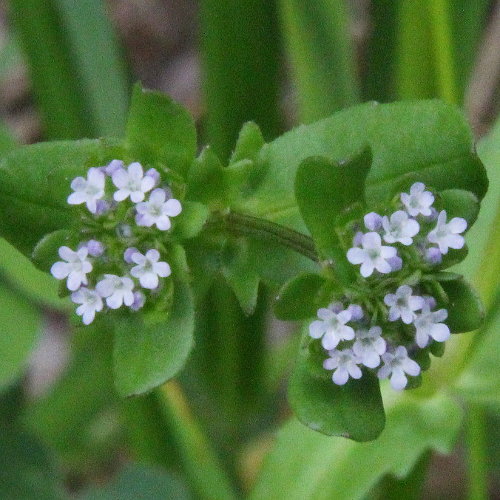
(477, 459)
(200, 463)
(263, 229)
(440, 24)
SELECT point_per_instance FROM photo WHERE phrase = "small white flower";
(418, 201)
(88, 190)
(116, 290)
(396, 365)
(157, 210)
(345, 364)
(91, 302)
(447, 235)
(403, 304)
(332, 327)
(372, 256)
(369, 346)
(75, 268)
(400, 228)
(148, 268)
(428, 324)
(131, 182)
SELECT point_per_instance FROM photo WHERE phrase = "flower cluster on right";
(381, 327)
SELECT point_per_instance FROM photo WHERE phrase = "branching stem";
(248, 225)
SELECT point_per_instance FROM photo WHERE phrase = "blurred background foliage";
(66, 70)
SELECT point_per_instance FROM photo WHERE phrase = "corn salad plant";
(369, 228)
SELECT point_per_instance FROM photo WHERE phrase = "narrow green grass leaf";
(321, 55)
(97, 60)
(240, 57)
(75, 66)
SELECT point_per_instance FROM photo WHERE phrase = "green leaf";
(136, 481)
(323, 187)
(329, 468)
(460, 203)
(205, 180)
(240, 274)
(160, 130)
(249, 143)
(298, 299)
(25, 277)
(354, 410)
(465, 311)
(147, 354)
(20, 332)
(35, 184)
(45, 252)
(27, 471)
(322, 57)
(428, 141)
(190, 221)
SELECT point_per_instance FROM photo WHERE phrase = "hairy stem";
(263, 229)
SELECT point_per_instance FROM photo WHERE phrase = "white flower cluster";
(121, 274)
(381, 335)
(404, 227)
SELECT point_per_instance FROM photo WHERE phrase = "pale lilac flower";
(428, 324)
(433, 255)
(131, 182)
(148, 268)
(430, 301)
(113, 166)
(358, 238)
(356, 312)
(139, 300)
(88, 190)
(75, 268)
(95, 248)
(396, 263)
(102, 207)
(418, 201)
(91, 302)
(447, 235)
(332, 327)
(127, 255)
(369, 346)
(400, 228)
(403, 304)
(345, 364)
(336, 307)
(396, 366)
(373, 221)
(155, 175)
(372, 256)
(117, 290)
(157, 210)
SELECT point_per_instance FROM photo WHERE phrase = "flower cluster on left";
(119, 261)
